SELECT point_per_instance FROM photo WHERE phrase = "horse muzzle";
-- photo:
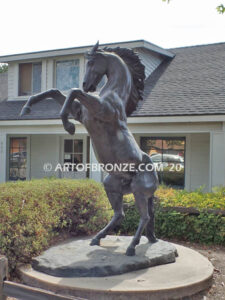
(87, 88)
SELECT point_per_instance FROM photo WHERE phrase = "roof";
(83, 49)
(191, 83)
(10, 110)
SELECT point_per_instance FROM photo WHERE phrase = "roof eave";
(81, 50)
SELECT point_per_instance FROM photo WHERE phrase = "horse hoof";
(25, 111)
(153, 240)
(70, 128)
(130, 252)
(95, 242)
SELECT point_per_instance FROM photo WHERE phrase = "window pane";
(78, 146)
(25, 78)
(73, 152)
(68, 146)
(68, 158)
(169, 153)
(17, 158)
(77, 158)
(67, 74)
(37, 78)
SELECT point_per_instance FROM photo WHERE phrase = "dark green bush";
(33, 212)
(205, 228)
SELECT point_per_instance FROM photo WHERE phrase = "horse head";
(95, 69)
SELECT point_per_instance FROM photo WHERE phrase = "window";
(169, 153)
(29, 78)
(67, 74)
(73, 152)
(17, 158)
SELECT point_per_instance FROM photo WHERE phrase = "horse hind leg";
(115, 196)
(143, 187)
(142, 205)
(150, 227)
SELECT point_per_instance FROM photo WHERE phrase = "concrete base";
(190, 274)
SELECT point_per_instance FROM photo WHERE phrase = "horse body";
(105, 118)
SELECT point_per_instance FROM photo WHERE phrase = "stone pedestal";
(78, 259)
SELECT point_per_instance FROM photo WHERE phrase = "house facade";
(180, 123)
(3, 86)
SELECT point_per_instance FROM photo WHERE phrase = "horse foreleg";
(150, 228)
(53, 94)
(59, 98)
(116, 201)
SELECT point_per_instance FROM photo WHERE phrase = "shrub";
(205, 227)
(34, 212)
(197, 199)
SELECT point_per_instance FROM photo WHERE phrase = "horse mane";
(137, 70)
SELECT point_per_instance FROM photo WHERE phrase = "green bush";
(197, 199)
(34, 212)
(205, 228)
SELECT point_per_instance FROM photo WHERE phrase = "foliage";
(34, 212)
(205, 227)
(220, 8)
(197, 199)
(3, 68)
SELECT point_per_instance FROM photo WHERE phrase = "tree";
(3, 68)
(220, 8)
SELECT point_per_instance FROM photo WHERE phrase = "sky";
(28, 25)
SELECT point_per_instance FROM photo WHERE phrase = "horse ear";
(94, 49)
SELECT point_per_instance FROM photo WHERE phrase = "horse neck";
(119, 77)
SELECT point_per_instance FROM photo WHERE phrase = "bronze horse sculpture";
(105, 118)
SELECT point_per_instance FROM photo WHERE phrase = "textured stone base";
(78, 259)
(190, 274)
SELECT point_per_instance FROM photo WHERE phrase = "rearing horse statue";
(105, 118)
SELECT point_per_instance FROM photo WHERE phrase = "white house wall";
(198, 152)
(151, 60)
(205, 147)
(47, 77)
(3, 156)
(12, 80)
(217, 158)
(43, 149)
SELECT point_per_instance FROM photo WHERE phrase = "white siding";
(150, 59)
(12, 81)
(3, 86)
(217, 148)
(44, 149)
(199, 148)
(3, 156)
(50, 74)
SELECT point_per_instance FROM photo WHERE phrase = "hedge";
(204, 227)
(198, 199)
(32, 213)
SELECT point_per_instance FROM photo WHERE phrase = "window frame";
(72, 153)
(156, 137)
(18, 86)
(8, 154)
(68, 58)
